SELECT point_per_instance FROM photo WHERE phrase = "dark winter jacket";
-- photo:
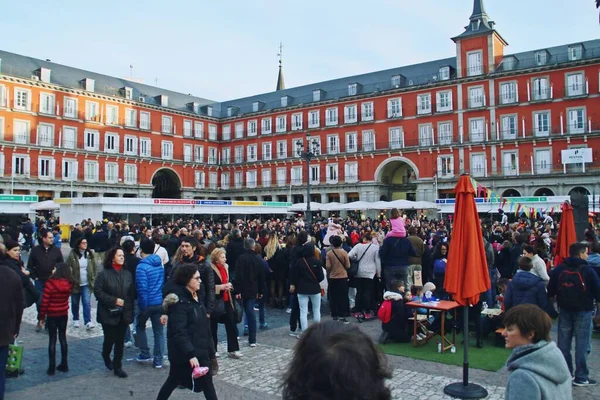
(92, 269)
(149, 280)
(42, 261)
(394, 252)
(305, 281)
(590, 278)
(249, 275)
(55, 299)
(110, 286)
(207, 287)
(11, 305)
(527, 288)
(100, 242)
(16, 266)
(235, 248)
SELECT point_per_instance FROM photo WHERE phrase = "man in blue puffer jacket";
(149, 280)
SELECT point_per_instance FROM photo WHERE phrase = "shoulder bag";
(314, 276)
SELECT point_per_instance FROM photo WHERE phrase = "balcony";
(394, 113)
(507, 99)
(476, 102)
(425, 110)
(364, 117)
(51, 111)
(575, 91)
(239, 134)
(350, 118)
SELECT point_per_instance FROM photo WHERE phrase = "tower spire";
(479, 22)
(280, 82)
(478, 11)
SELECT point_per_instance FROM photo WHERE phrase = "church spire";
(280, 82)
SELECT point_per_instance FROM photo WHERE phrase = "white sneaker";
(235, 354)
(90, 325)
(252, 344)
(217, 355)
(76, 324)
(129, 344)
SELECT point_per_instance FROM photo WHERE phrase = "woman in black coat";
(114, 290)
(188, 336)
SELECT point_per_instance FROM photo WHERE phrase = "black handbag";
(115, 311)
(30, 294)
(238, 310)
(219, 308)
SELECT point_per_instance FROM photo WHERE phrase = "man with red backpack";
(576, 285)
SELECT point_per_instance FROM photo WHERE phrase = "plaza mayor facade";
(403, 133)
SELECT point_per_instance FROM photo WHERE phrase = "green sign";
(18, 198)
(276, 204)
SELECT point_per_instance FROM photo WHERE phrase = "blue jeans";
(261, 312)
(136, 313)
(39, 285)
(84, 296)
(251, 319)
(152, 313)
(578, 324)
(315, 299)
(3, 359)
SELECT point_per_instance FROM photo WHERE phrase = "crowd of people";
(192, 276)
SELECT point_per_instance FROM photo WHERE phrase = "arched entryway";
(167, 184)
(543, 192)
(397, 177)
(580, 190)
(511, 193)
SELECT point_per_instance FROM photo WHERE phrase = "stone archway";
(579, 189)
(544, 192)
(396, 178)
(511, 193)
(167, 184)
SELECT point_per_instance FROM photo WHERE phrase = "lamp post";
(311, 151)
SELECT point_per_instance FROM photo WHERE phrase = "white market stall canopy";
(45, 206)
(366, 205)
(545, 203)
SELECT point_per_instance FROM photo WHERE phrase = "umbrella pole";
(464, 389)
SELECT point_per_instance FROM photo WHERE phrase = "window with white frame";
(70, 107)
(111, 172)
(541, 123)
(239, 130)
(280, 122)
(199, 179)
(130, 174)
(508, 127)
(20, 165)
(478, 164)
(296, 121)
(145, 147)
(576, 120)
(396, 138)
(239, 154)
(69, 137)
(92, 140)
(90, 171)
(45, 134)
(331, 116)
(445, 133)
(540, 89)
(333, 144)
(510, 163)
(21, 131)
(251, 180)
(225, 180)
(252, 154)
(316, 95)
(508, 92)
(313, 119)
(69, 169)
(445, 166)
(281, 176)
(92, 111)
(266, 151)
(187, 152)
(22, 99)
(366, 111)
(351, 142)
(111, 143)
(296, 175)
(543, 161)
(199, 153)
(167, 150)
(212, 180)
(350, 114)
(145, 120)
(352, 89)
(226, 156)
(212, 155)
(541, 57)
(575, 84)
(284, 101)
(1, 128)
(575, 53)
(212, 132)
(315, 174)
(167, 124)
(47, 104)
(394, 108)
(187, 128)
(424, 103)
(252, 128)
(112, 115)
(46, 167)
(238, 179)
(368, 140)
(332, 173)
(199, 130)
(2, 163)
(474, 63)
(396, 81)
(3, 96)
(476, 97)
(226, 132)
(130, 118)
(265, 178)
(444, 73)
(444, 101)
(351, 172)
(282, 149)
(426, 135)
(266, 126)
(476, 130)
(130, 148)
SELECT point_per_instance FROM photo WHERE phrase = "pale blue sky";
(225, 50)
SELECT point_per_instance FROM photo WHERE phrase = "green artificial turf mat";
(489, 358)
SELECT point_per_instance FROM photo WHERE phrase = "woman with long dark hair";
(84, 269)
(114, 290)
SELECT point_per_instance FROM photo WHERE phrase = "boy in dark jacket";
(527, 288)
(395, 325)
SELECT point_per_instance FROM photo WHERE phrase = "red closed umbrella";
(467, 274)
(566, 234)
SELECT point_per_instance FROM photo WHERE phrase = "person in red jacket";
(55, 306)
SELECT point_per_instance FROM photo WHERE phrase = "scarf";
(117, 267)
(224, 279)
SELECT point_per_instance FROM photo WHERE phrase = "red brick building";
(407, 132)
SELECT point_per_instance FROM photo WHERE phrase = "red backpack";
(385, 311)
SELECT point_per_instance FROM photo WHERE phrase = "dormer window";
(88, 84)
(575, 53)
(230, 111)
(317, 95)
(396, 81)
(352, 89)
(444, 73)
(127, 93)
(256, 106)
(209, 111)
(509, 63)
(284, 101)
(163, 100)
(475, 25)
(44, 74)
(541, 57)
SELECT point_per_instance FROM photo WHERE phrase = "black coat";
(305, 281)
(100, 242)
(249, 275)
(207, 287)
(112, 285)
(235, 248)
(11, 305)
(42, 261)
(16, 266)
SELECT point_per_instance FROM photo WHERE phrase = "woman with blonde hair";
(279, 270)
